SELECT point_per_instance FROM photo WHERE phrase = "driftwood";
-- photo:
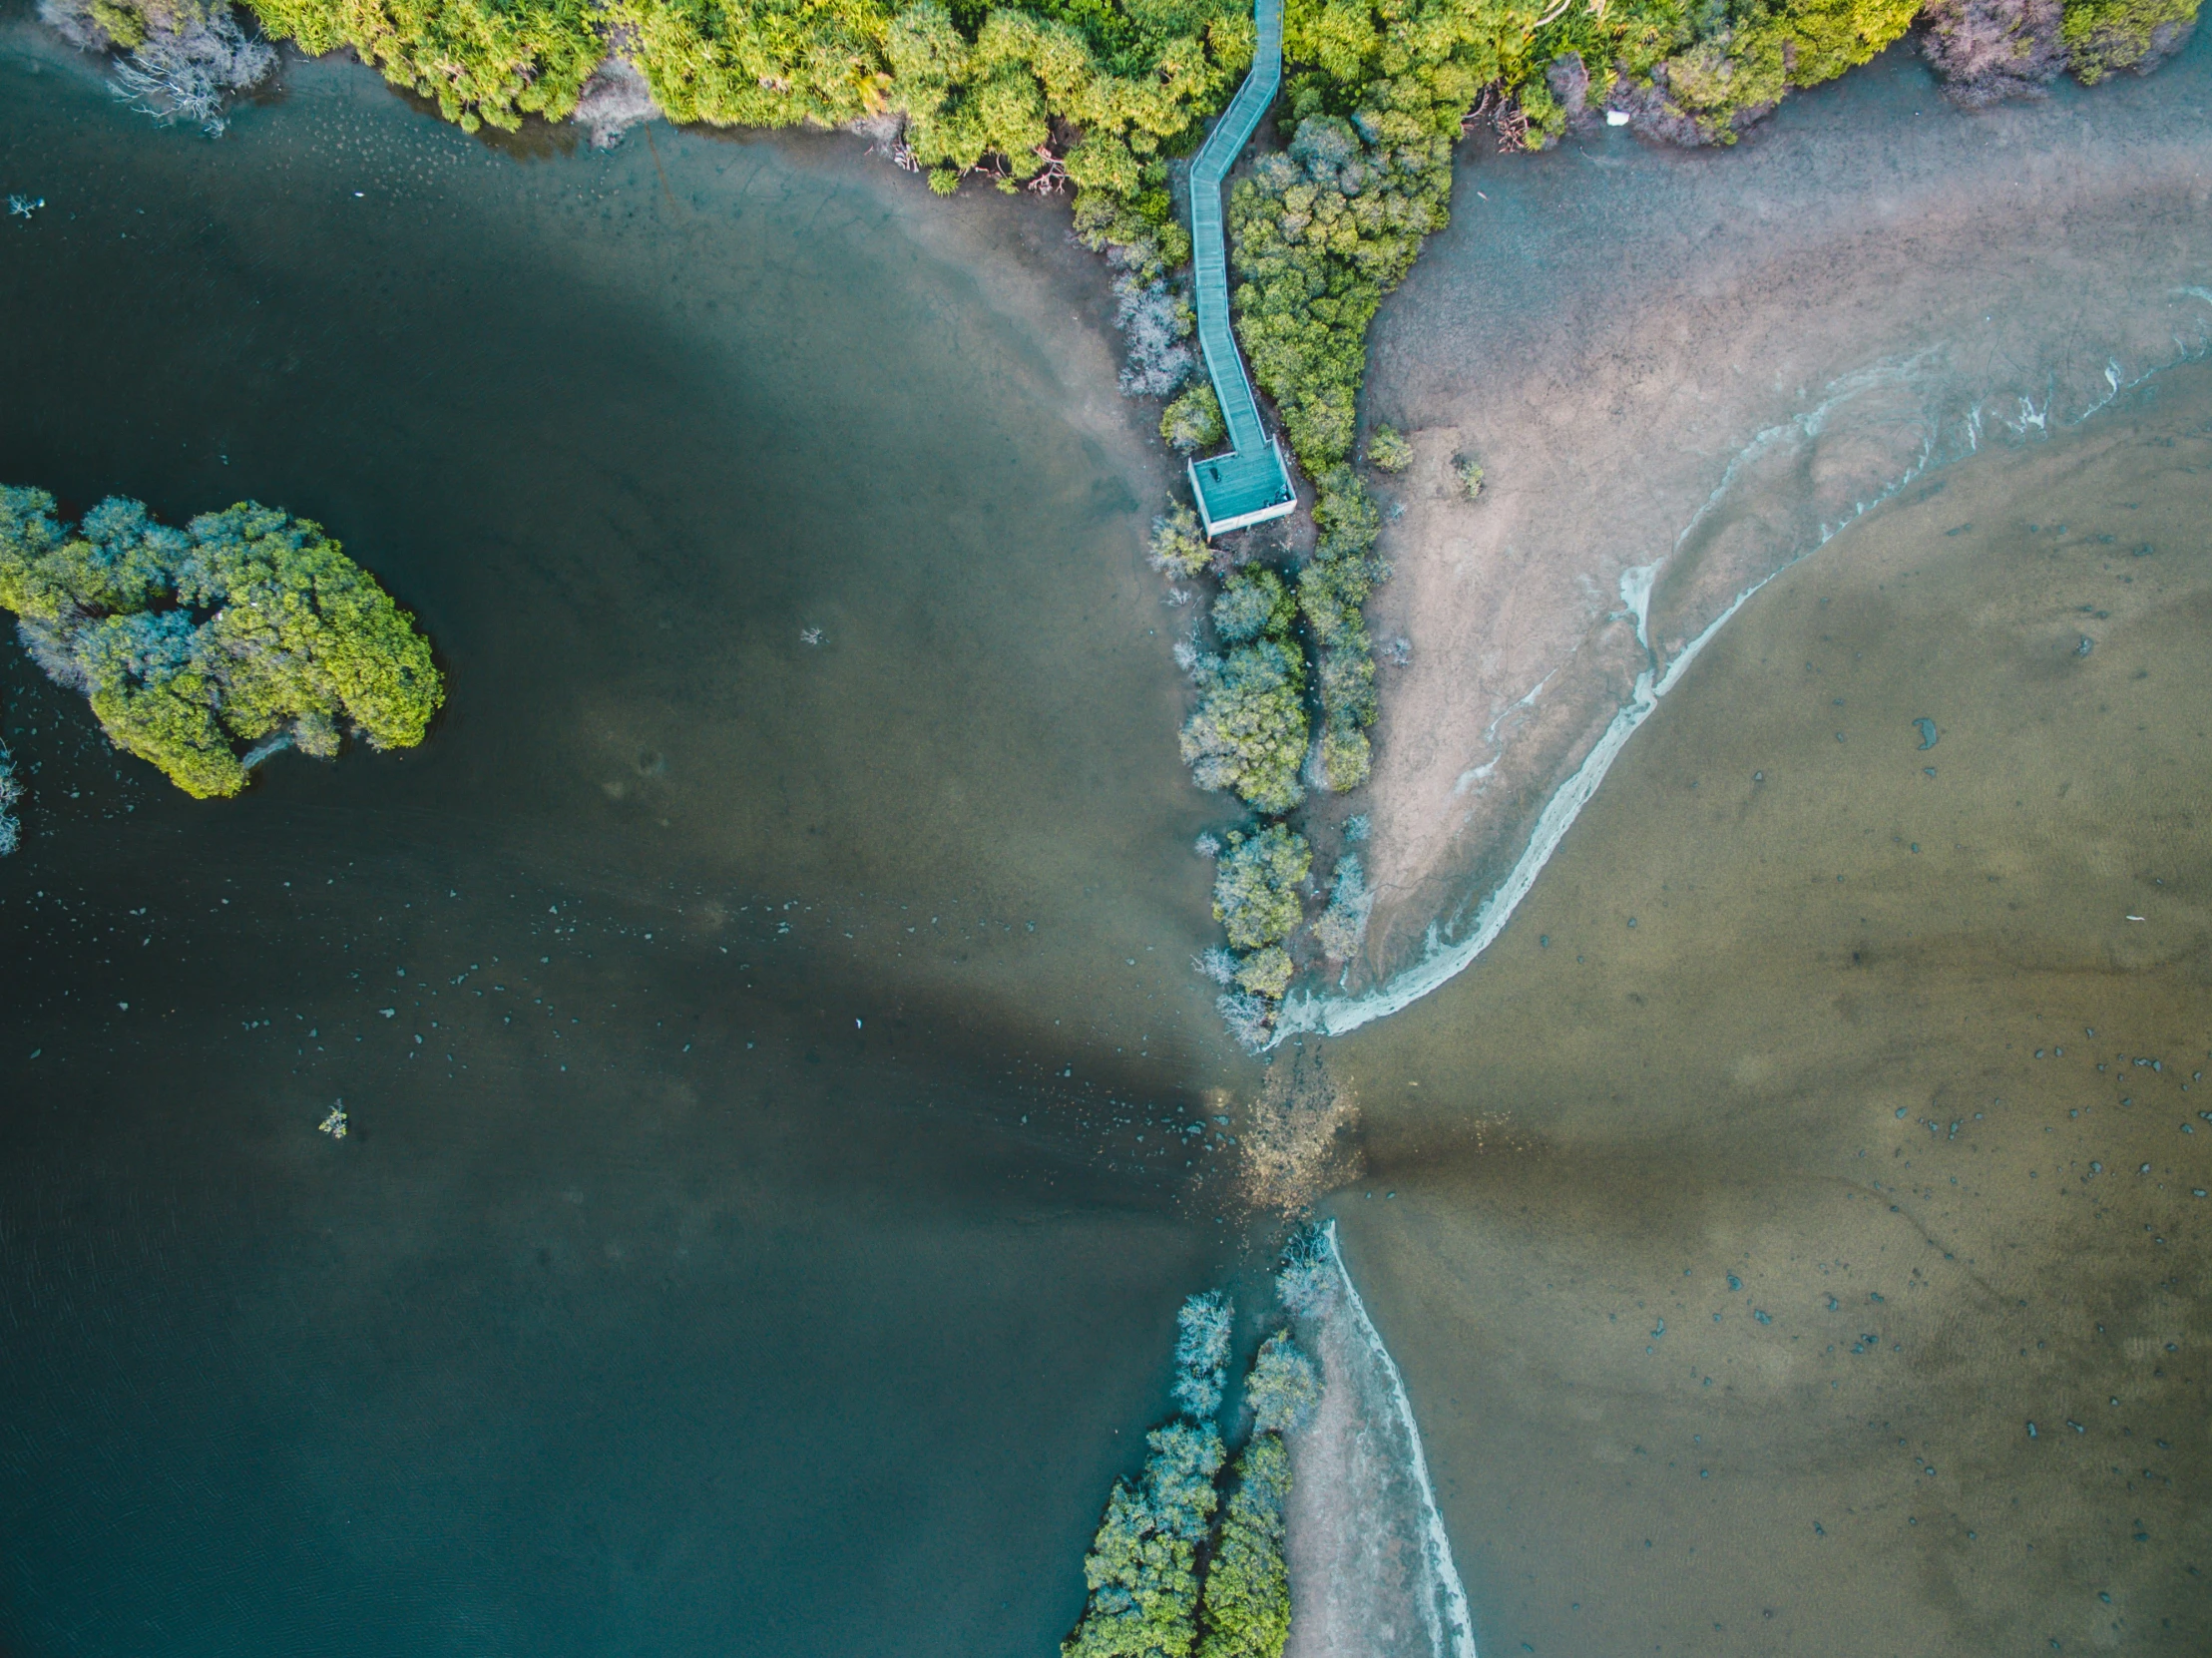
(1505, 117)
(191, 73)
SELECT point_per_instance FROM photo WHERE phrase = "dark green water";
(757, 1232)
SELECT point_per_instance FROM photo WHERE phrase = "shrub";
(1344, 758)
(1990, 50)
(1306, 1281)
(1470, 475)
(1345, 516)
(187, 58)
(1254, 603)
(1348, 681)
(1248, 734)
(1388, 450)
(1265, 973)
(2104, 36)
(1177, 547)
(1249, 1018)
(95, 25)
(1283, 1387)
(1138, 231)
(1332, 588)
(1340, 927)
(1247, 1595)
(247, 624)
(1216, 964)
(1255, 885)
(1203, 1331)
(1193, 420)
(1330, 594)
(1154, 324)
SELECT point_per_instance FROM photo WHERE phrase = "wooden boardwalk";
(1250, 484)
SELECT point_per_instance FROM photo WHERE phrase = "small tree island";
(246, 627)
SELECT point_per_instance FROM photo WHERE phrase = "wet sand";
(1371, 1569)
(1826, 1117)
(1696, 366)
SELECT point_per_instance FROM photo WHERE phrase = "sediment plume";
(1298, 1138)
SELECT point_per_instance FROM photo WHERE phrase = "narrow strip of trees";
(1164, 1579)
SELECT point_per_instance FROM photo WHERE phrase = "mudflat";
(1682, 371)
(1793, 1232)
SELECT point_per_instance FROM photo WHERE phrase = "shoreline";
(1305, 1013)
(1936, 310)
(1687, 1217)
(1504, 604)
(1372, 1573)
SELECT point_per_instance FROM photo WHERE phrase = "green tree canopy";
(1177, 549)
(1127, 80)
(1255, 885)
(1246, 1612)
(1283, 1385)
(247, 624)
(1253, 602)
(479, 59)
(1141, 1566)
(1248, 732)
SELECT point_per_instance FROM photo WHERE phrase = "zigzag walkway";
(1250, 484)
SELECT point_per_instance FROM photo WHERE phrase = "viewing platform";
(1250, 484)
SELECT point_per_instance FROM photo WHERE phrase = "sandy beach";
(1371, 1568)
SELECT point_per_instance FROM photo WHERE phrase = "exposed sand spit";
(1371, 1572)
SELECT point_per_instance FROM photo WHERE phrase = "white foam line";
(1334, 1016)
(1461, 1632)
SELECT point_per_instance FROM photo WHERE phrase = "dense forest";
(1101, 98)
(1110, 85)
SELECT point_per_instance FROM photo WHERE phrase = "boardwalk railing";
(1250, 484)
